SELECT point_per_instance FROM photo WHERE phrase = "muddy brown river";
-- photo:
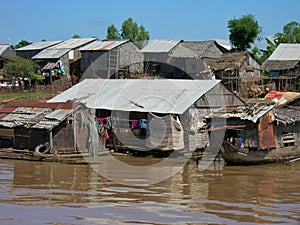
(56, 193)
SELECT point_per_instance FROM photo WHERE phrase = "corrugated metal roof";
(51, 53)
(159, 46)
(29, 115)
(11, 106)
(3, 48)
(287, 115)
(39, 45)
(49, 66)
(160, 96)
(103, 45)
(59, 114)
(46, 124)
(286, 52)
(73, 43)
(23, 116)
(242, 113)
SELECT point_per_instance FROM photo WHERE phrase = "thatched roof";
(279, 64)
(202, 48)
(230, 61)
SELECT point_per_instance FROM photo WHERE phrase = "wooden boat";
(245, 156)
(74, 158)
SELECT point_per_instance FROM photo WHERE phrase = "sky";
(189, 20)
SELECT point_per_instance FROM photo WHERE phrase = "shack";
(33, 49)
(284, 67)
(261, 134)
(239, 71)
(111, 59)
(207, 50)
(6, 52)
(171, 59)
(155, 114)
(65, 55)
(187, 64)
(46, 131)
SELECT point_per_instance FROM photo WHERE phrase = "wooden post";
(51, 141)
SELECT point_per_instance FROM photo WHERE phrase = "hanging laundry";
(143, 124)
(134, 124)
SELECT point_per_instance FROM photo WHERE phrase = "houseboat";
(264, 134)
(61, 132)
(152, 115)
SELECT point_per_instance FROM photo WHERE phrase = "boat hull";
(72, 158)
(243, 156)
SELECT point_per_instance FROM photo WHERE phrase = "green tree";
(76, 36)
(22, 43)
(112, 33)
(20, 67)
(143, 36)
(290, 34)
(243, 32)
(129, 30)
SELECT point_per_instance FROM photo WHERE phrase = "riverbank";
(40, 93)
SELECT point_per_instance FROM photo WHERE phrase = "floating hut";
(262, 134)
(47, 132)
(158, 115)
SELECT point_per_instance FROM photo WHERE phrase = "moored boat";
(233, 155)
(261, 134)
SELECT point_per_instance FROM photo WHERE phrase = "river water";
(56, 193)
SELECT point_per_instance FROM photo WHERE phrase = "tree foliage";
(76, 36)
(129, 30)
(243, 32)
(112, 33)
(290, 34)
(20, 67)
(22, 43)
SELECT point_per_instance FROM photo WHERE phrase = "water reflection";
(76, 194)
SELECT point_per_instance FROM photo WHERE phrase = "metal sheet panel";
(41, 118)
(266, 131)
(49, 66)
(73, 43)
(286, 52)
(59, 114)
(31, 110)
(52, 53)
(155, 46)
(161, 96)
(46, 124)
(3, 48)
(8, 124)
(39, 45)
(103, 45)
